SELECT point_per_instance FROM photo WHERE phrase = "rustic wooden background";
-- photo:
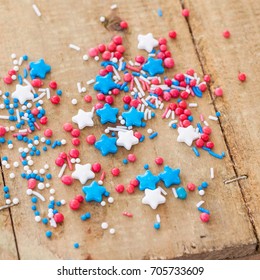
(234, 229)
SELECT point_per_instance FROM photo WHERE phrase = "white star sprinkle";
(146, 42)
(83, 119)
(127, 139)
(23, 93)
(153, 198)
(187, 135)
(83, 173)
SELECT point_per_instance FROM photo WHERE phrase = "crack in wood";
(200, 59)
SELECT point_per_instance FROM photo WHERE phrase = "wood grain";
(224, 59)
(229, 233)
(7, 240)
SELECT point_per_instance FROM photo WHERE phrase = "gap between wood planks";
(10, 214)
(238, 177)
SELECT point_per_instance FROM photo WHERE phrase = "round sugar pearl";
(85, 57)
(12, 128)
(100, 182)
(63, 141)
(149, 130)
(46, 166)
(10, 146)
(47, 185)
(42, 171)
(13, 56)
(7, 166)
(83, 89)
(104, 225)
(201, 192)
(63, 202)
(37, 219)
(103, 203)
(12, 175)
(51, 198)
(112, 231)
(4, 162)
(102, 19)
(52, 191)
(78, 160)
(8, 201)
(74, 101)
(40, 186)
(110, 199)
(16, 164)
(29, 192)
(16, 201)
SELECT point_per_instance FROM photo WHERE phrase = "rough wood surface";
(224, 59)
(7, 241)
(182, 234)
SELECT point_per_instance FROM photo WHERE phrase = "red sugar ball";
(218, 92)
(168, 62)
(190, 72)
(159, 160)
(99, 106)
(172, 34)
(174, 93)
(75, 132)
(96, 167)
(162, 41)
(63, 155)
(75, 141)
(118, 39)
(115, 91)
(79, 198)
(210, 145)
(184, 94)
(134, 182)
(204, 217)
(191, 187)
(109, 68)
(131, 157)
(58, 217)
(106, 55)
(8, 80)
(242, 77)
(37, 83)
(140, 59)
(102, 47)
(134, 103)
(48, 132)
(100, 96)
(115, 171)
(120, 188)
(91, 139)
(55, 99)
(111, 46)
(123, 24)
(226, 34)
(127, 99)
(130, 189)
(120, 48)
(109, 99)
(203, 87)
(93, 52)
(2, 130)
(161, 55)
(74, 153)
(205, 137)
(182, 104)
(186, 123)
(128, 77)
(67, 180)
(59, 161)
(31, 183)
(206, 130)
(87, 98)
(74, 204)
(53, 84)
(35, 111)
(199, 143)
(67, 127)
(138, 135)
(185, 12)
(207, 78)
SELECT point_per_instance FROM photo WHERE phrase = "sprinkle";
(172, 122)
(36, 10)
(212, 173)
(206, 123)
(163, 191)
(196, 152)
(200, 203)
(213, 118)
(193, 105)
(168, 114)
(158, 219)
(113, 7)
(74, 47)
(89, 82)
(62, 170)
(159, 12)
(79, 87)
(153, 135)
(174, 192)
(38, 195)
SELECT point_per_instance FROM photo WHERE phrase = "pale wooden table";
(234, 227)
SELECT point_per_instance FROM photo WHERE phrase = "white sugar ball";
(16, 68)
(85, 57)
(201, 192)
(29, 171)
(51, 198)
(40, 186)
(30, 162)
(30, 145)
(26, 150)
(42, 171)
(28, 158)
(72, 160)
(104, 225)
(16, 164)
(46, 166)
(47, 185)
(122, 122)
(106, 130)
(83, 89)
(8, 201)
(13, 77)
(102, 19)
(37, 219)
(43, 139)
(12, 128)
(74, 101)
(20, 149)
(78, 160)
(10, 146)
(50, 215)
(52, 191)
(100, 182)
(63, 202)
(36, 142)
(35, 171)
(96, 58)
(110, 199)
(114, 59)
(12, 175)
(13, 56)
(63, 142)
(149, 130)
(103, 203)
(26, 167)
(4, 162)
(112, 231)
(16, 201)
(29, 192)
(7, 166)
(29, 105)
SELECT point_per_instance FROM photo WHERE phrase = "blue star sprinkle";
(94, 192)
(105, 83)
(133, 117)
(153, 66)
(106, 145)
(39, 69)
(147, 181)
(107, 114)
(170, 176)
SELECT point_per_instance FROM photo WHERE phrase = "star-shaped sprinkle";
(39, 69)
(147, 42)
(94, 192)
(147, 180)
(153, 198)
(153, 66)
(105, 83)
(106, 145)
(133, 117)
(187, 135)
(83, 173)
(127, 139)
(23, 93)
(83, 119)
(170, 176)
(107, 114)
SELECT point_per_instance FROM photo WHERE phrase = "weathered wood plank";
(224, 59)
(182, 234)
(7, 241)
